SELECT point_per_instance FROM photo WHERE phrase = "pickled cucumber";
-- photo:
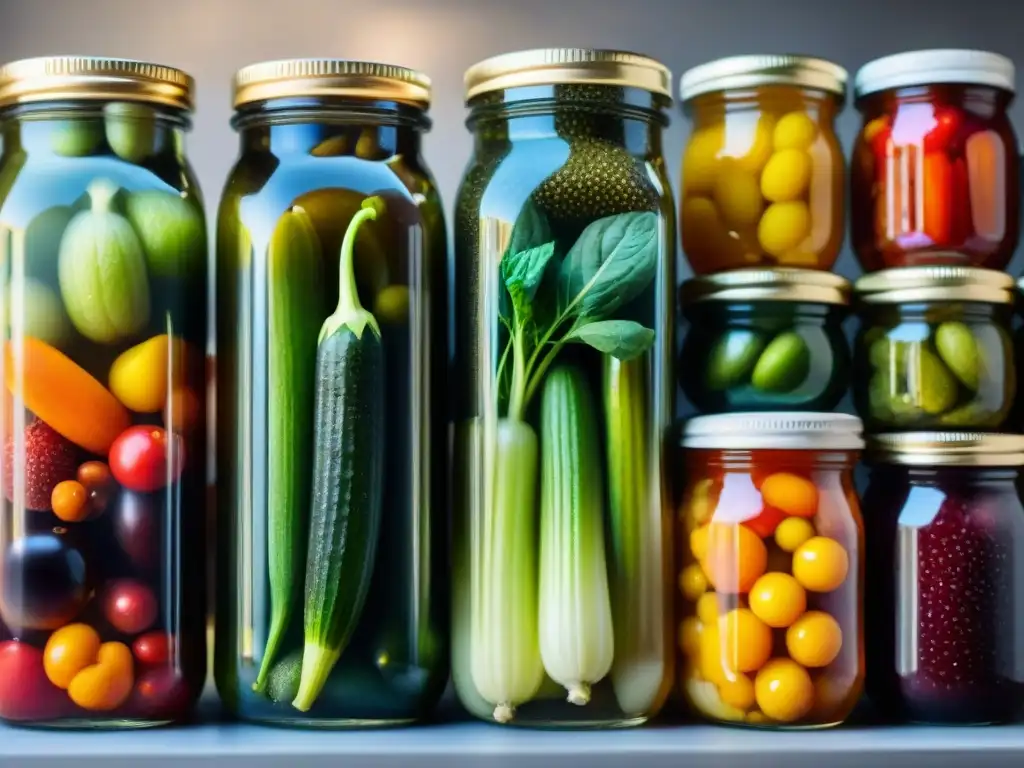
(783, 365)
(733, 358)
(958, 349)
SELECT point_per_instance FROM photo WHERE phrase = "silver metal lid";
(938, 66)
(947, 449)
(788, 430)
(756, 70)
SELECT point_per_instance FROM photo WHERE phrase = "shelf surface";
(452, 744)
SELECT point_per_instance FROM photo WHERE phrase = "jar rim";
(946, 449)
(935, 283)
(756, 70)
(784, 430)
(326, 78)
(95, 78)
(935, 66)
(567, 66)
(768, 284)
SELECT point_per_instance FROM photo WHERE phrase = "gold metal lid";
(756, 70)
(554, 66)
(295, 78)
(783, 431)
(935, 283)
(759, 284)
(58, 78)
(947, 449)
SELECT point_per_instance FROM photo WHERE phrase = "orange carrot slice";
(64, 395)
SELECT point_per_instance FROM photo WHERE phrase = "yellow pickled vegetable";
(737, 196)
(787, 176)
(783, 227)
(795, 130)
(700, 160)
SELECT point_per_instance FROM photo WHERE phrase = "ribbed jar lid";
(935, 283)
(756, 70)
(788, 430)
(947, 449)
(949, 66)
(767, 284)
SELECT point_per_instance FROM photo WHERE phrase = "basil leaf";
(612, 262)
(623, 339)
(531, 229)
(523, 271)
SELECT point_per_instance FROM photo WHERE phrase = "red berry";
(49, 459)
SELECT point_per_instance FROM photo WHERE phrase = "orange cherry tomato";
(791, 493)
(70, 501)
(107, 684)
(68, 651)
(736, 557)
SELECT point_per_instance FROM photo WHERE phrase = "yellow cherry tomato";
(707, 608)
(783, 227)
(795, 130)
(756, 717)
(777, 599)
(692, 582)
(701, 504)
(784, 690)
(737, 692)
(699, 542)
(107, 684)
(820, 564)
(787, 176)
(737, 197)
(700, 159)
(814, 640)
(792, 532)
(736, 557)
(753, 156)
(69, 650)
(689, 636)
(748, 640)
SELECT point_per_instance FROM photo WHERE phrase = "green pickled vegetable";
(930, 385)
(732, 359)
(783, 365)
(172, 231)
(347, 473)
(131, 130)
(295, 307)
(959, 350)
(76, 138)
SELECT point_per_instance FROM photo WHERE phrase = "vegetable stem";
(317, 664)
(350, 311)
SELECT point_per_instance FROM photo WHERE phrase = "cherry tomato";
(25, 693)
(145, 458)
(161, 693)
(764, 524)
(130, 606)
(946, 121)
(70, 501)
(107, 684)
(95, 476)
(68, 651)
(153, 648)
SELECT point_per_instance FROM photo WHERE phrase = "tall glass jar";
(935, 176)
(935, 349)
(763, 171)
(103, 258)
(765, 340)
(331, 343)
(946, 546)
(563, 391)
(772, 568)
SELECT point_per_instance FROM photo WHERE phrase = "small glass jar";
(765, 340)
(563, 391)
(945, 540)
(935, 349)
(331, 336)
(104, 273)
(935, 175)
(771, 569)
(763, 171)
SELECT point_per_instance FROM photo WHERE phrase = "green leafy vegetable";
(622, 339)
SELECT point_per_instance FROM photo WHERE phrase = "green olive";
(131, 130)
(783, 365)
(732, 358)
(76, 138)
(958, 349)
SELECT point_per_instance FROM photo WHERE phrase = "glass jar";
(765, 340)
(946, 543)
(331, 335)
(771, 569)
(103, 257)
(763, 171)
(563, 391)
(935, 349)
(935, 172)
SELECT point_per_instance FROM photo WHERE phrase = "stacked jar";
(769, 523)
(934, 202)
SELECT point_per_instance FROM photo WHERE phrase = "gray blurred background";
(212, 38)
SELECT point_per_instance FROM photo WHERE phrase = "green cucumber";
(347, 474)
(295, 306)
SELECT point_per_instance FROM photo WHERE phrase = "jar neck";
(726, 312)
(337, 127)
(975, 478)
(924, 311)
(773, 99)
(37, 128)
(732, 460)
(631, 118)
(981, 100)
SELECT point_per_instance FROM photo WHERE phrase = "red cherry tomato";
(130, 606)
(152, 649)
(145, 458)
(161, 693)
(25, 691)
(946, 122)
(764, 524)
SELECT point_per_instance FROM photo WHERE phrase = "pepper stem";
(101, 195)
(350, 313)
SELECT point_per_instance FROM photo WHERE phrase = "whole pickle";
(958, 349)
(172, 232)
(102, 271)
(889, 401)
(36, 311)
(76, 138)
(930, 384)
(973, 414)
(732, 358)
(131, 130)
(783, 365)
